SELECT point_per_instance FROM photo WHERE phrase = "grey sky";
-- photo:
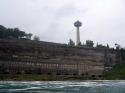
(52, 20)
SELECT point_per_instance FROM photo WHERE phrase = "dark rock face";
(38, 57)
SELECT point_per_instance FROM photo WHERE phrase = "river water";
(62, 87)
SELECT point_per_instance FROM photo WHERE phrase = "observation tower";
(77, 24)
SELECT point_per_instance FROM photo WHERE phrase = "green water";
(63, 87)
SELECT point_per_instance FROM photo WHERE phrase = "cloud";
(68, 10)
(103, 20)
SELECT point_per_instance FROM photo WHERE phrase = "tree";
(2, 31)
(107, 46)
(36, 38)
(71, 42)
(89, 43)
(2, 28)
(79, 44)
(101, 46)
(6, 33)
(18, 34)
(117, 46)
(28, 36)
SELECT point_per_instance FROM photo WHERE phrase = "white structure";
(77, 24)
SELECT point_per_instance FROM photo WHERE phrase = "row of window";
(42, 65)
(21, 65)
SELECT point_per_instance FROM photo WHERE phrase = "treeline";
(10, 33)
(87, 44)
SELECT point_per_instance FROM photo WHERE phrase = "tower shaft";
(77, 36)
(77, 24)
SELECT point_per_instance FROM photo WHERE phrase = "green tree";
(17, 33)
(89, 43)
(7, 33)
(2, 31)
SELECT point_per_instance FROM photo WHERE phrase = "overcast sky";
(52, 20)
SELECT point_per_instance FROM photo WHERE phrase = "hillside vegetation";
(117, 73)
(8, 33)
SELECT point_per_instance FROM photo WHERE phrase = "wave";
(62, 86)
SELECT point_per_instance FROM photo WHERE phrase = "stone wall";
(38, 57)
